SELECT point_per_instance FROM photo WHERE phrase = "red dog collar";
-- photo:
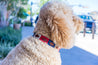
(46, 40)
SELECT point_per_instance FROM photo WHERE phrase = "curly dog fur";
(57, 22)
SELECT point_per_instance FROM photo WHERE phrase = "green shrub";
(4, 50)
(10, 35)
(22, 13)
(27, 23)
(9, 38)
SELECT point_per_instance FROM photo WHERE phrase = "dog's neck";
(46, 40)
(42, 29)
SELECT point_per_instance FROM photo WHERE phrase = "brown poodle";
(55, 29)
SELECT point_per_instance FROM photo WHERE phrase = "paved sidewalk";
(0, 60)
(83, 53)
(27, 31)
(87, 43)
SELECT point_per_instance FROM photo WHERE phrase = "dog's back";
(32, 51)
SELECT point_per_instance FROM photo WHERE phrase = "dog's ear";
(61, 30)
(78, 24)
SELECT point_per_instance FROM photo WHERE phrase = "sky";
(88, 5)
(92, 4)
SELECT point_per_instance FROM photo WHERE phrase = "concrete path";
(79, 54)
(27, 31)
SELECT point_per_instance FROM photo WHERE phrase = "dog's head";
(59, 23)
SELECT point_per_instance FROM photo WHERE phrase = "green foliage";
(14, 3)
(11, 8)
(27, 23)
(22, 13)
(9, 38)
(19, 22)
(42, 2)
(4, 50)
(10, 35)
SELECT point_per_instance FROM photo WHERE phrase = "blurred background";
(19, 17)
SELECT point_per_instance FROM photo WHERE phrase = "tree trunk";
(3, 15)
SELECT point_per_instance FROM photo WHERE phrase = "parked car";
(89, 20)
